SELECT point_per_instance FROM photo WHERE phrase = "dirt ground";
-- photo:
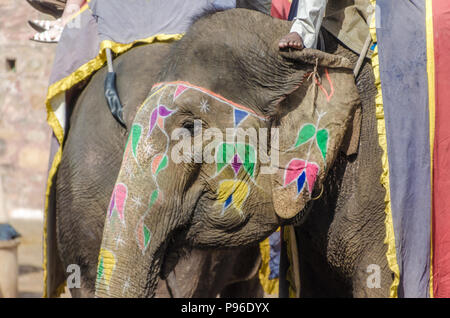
(30, 259)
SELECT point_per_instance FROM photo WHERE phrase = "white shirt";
(309, 18)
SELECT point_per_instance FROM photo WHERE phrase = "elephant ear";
(311, 132)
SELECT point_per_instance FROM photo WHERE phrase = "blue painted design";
(239, 116)
(228, 202)
(301, 182)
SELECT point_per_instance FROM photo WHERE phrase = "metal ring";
(321, 192)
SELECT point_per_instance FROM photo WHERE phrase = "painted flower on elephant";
(232, 193)
(304, 172)
(157, 117)
(159, 163)
(106, 266)
(180, 89)
(237, 156)
(133, 141)
(143, 233)
(310, 132)
(118, 201)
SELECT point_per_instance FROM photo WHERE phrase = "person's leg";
(306, 26)
(292, 40)
(72, 7)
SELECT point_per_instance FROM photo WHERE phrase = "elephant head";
(200, 166)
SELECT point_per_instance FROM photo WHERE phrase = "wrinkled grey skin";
(343, 233)
(91, 160)
(343, 236)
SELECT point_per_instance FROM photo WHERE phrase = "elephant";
(228, 71)
(90, 162)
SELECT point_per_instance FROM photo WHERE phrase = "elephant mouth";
(178, 244)
(175, 249)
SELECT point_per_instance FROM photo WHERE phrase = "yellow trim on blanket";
(59, 133)
(432, 114)
(384, 179)
(82, 9)
(270, 286)
(93, 65)
(63, 85)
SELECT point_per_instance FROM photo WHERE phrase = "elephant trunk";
(130, 267)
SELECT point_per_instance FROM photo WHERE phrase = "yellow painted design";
(60, 87)
(432, 114)
(109, 264)
(238, 189)
(384, 179)
(270, 286)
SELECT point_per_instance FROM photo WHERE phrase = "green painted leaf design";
(143, 235)
(153, 197)
(247, 155)
(322, 142)
(136, 132)
(162, 165)
(147, 235)
(305, 134)
(224, 154)
(100, 269)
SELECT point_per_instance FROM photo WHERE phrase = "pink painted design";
(127, 150)
(160, 122)
(311, 174)
(180, 90)
(155, 163)
(295, 170)
(118, 200)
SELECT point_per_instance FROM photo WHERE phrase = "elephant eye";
(189, 125)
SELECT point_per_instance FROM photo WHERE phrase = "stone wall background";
(24, 133)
